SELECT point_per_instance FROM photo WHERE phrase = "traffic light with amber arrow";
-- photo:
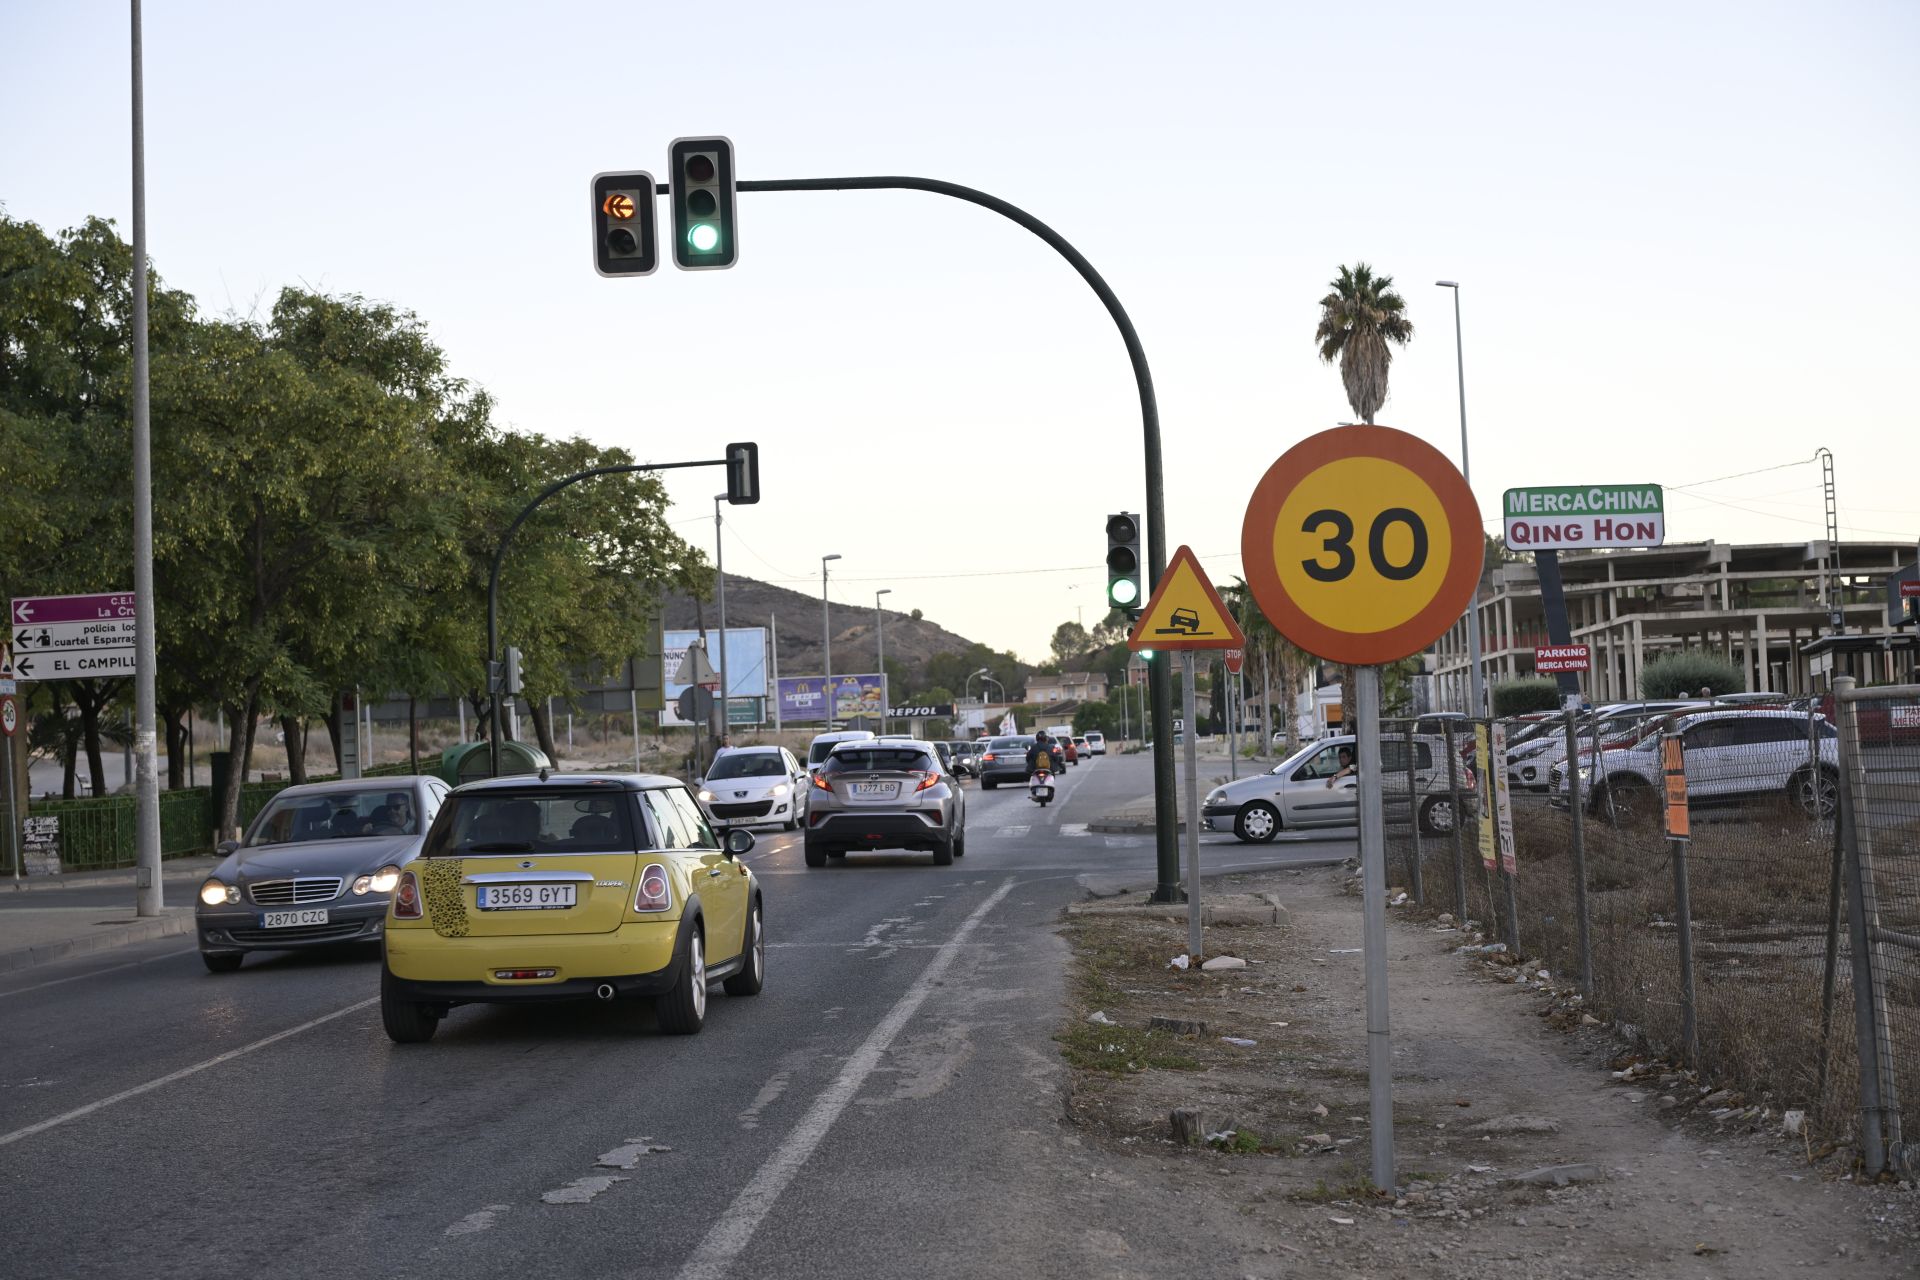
(624, 241)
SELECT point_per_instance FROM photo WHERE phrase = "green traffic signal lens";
(704, 237)
(1123, 591)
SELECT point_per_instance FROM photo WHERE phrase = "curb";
(118, 878)
(144, 930)
(1129, 828)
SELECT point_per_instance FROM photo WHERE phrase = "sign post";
(1362, 545)
(1679, 836)
(1234, 659)
(1186, 614)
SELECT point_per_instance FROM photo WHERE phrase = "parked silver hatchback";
(1317, 786)
(885, 793)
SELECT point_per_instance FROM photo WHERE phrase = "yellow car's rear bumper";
(638, 959)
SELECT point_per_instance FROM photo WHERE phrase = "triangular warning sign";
(1185, 612)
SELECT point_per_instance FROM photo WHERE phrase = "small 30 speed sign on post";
(1362, 544)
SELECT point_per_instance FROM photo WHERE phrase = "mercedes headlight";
(216, 893)
(381, 881)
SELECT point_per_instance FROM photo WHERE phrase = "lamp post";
(1476, 682)
(880, 652)
(826, 636)
(720, 574)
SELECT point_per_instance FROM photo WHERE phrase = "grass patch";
(1321, 1192)
(1122, 1051)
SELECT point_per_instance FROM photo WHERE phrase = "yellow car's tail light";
(655, 893)
(406, 899)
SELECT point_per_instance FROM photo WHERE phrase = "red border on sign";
(1235, 639)
(1263, 513)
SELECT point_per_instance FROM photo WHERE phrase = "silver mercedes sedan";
(315, 869)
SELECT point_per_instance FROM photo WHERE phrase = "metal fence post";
(1413, 821)
(1869, 1013)
(1459, 824)
(1683, 908)
(1575, 807)
(1830, 974)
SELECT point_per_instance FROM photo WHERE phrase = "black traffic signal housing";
(1123, 563)
(625, 242)
(700, 182)
(743, 473)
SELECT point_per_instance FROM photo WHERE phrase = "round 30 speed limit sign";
(1362, 544)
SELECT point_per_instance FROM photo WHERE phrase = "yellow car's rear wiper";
(500, 846)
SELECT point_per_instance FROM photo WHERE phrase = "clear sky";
(1686, 235)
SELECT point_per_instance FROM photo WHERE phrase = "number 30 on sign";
(1362, 544)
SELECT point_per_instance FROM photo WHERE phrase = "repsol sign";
(923, 711)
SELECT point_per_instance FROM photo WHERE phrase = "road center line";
(750, 1208)
(80, 1112)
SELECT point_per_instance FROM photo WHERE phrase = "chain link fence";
(1723, 882)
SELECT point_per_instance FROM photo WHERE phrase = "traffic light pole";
(495, 684)
(1166, 832)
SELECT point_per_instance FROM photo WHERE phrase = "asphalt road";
(882, 1109)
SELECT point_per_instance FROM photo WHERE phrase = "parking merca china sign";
(73, 637)
(1603, 516)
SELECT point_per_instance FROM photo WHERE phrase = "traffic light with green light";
(1123, 562)
(701, 180)
(624, 241)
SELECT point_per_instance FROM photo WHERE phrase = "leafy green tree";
(1532, 693)
(1070, 640)
(1684, 675)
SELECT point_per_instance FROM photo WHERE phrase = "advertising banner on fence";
(1484, 754)
(1617, 516)
(1502, 793)
(1674, 766)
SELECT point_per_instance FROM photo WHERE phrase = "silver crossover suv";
(885, 793)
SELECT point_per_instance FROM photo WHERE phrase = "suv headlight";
(217, 893)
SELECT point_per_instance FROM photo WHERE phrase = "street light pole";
(826, 636)
(149, 900)
(1476, 681)
(720, 575)
(880, 652)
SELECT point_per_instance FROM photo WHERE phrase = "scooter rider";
(1040, 754)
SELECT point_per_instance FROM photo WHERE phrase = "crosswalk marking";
(1073, 829)
(1012, 833)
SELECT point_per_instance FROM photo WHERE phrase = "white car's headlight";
(779, 788)
(707, 796)
(218, 894)
(1216, 796)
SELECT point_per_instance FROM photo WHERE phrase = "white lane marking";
(79, 1112)
(94, 973)
(630, 1153)
(769, 1094)
(750, 1208)
(581, 1190)
(1074, 829)
(1012, 833)
(479, 1220)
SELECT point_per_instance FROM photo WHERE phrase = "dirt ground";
(1496, 1085)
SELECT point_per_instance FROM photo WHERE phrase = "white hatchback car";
(745, 785)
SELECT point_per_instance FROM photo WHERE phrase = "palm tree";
(1357, 321)
(1266, 645)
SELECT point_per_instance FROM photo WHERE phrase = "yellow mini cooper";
(571, 887)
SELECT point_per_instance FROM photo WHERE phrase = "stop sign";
(1235, 660)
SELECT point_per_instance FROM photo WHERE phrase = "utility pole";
(826, 636)
(720, 576)
(880, 652)
(149, 896)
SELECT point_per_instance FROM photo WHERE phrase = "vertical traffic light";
(743, 473)
(624, 243)
(1123, 562)
(701, 179)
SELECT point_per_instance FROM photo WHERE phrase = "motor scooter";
(1040, 787)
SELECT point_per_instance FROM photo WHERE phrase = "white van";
(1096, 743)
(825, 742)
